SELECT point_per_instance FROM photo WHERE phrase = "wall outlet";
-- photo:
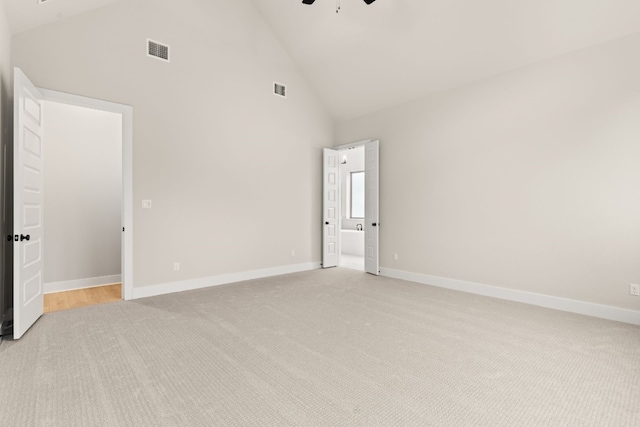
(395, 257)
(146, 204)
(293, 253)
(634, 289)
(176, 266)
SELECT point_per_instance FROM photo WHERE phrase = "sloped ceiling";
(369, 57)
(24, 15)
(366, 58)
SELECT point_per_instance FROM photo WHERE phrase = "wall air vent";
(157, 50)
(279, 89)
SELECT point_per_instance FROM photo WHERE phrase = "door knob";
(23, 237)
(326, 223)
(375, 224)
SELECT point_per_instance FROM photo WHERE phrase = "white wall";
(214, 149)
(83, 192)
(355, 163)
(6, 126)
(529, 180)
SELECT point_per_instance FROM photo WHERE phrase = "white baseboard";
(91, 282)
(205, 282)
(557, 303)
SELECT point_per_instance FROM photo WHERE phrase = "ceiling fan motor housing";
(311, 1)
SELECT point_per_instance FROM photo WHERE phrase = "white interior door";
(28, 181)
(371, 207)
(330, 209)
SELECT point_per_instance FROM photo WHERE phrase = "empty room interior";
(320, 213)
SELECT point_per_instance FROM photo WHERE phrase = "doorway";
(345, 218)
(126, 195)
(28, 196)
(82, 206)
(352, 208)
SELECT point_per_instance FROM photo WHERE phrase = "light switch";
(146, 204)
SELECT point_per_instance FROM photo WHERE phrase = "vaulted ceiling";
(27, 14)
(368, 57)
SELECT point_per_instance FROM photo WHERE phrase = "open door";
(371, 207)
(330, 208)
(28, 181)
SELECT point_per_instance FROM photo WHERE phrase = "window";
(357, 194)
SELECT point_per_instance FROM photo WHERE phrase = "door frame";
(126, 111)
(340, 148)
(352, 144)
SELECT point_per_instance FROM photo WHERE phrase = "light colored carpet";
(322, 348)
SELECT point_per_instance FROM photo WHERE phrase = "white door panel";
(371, 208)
(28, 200)
(330, 209)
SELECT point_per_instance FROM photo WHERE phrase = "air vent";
(279, 90)
(157, 50)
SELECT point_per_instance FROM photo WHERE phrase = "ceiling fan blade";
(311, 1)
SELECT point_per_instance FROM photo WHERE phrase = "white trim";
(91, 282)
(223, 279)
(127, 172)
(548, 301)
(352, 144)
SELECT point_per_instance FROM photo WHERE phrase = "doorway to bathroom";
(352, 192)
(350, 236)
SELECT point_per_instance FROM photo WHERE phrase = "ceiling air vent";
(279, 90)
(157, 50)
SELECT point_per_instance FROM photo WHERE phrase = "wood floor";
(82, 297)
